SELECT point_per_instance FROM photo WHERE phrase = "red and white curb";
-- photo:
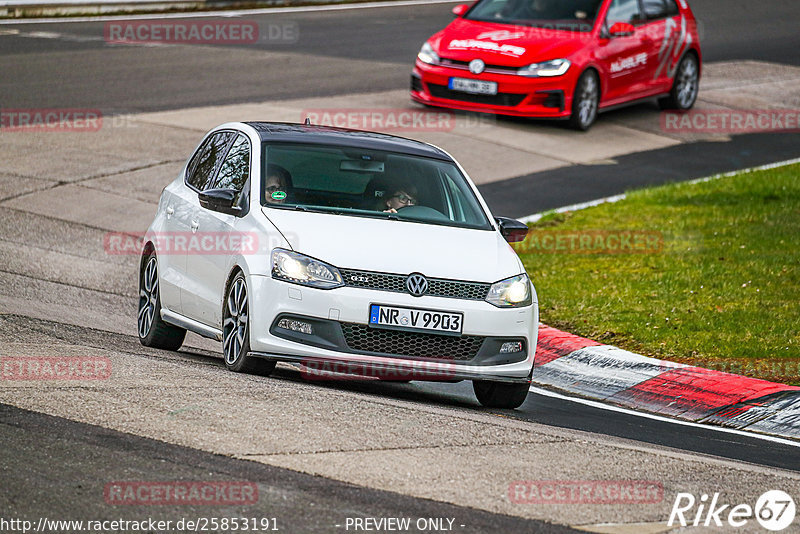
(609, 374)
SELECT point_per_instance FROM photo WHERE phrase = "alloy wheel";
(148, 297)
(235, 323)
(687, 82)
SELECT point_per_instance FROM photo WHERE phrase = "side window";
(207, 159)
(623, 11)
(236, 168)
(672, 8)
(655, 9)
(459, 209)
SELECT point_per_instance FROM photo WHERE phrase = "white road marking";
(616, 198)
(573, 207)
(661, 418)
(231, 13)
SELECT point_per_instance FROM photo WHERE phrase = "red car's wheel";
(585, 101)
(684, 90)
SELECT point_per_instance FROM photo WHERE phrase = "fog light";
(295, 326)
(511, 346)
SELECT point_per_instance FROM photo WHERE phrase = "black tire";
(499, 394)
(685, 86)
(153, 331)
(236, 332)
(585, 101)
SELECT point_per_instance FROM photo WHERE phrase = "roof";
(284, 132)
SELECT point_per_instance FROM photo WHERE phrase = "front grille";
(495, 69)
(500, 99)
(412, 344)
(396, 283)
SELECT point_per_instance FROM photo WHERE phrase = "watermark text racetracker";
(25, 368)
(149, 493)
(189, 32)
(191, 243)
(311, 369)
(585, 492)
(547, 241)
(394, 119)
(50, 120)
(62, 120)
(731, 121)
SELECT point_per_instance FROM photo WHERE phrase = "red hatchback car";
(564, 59)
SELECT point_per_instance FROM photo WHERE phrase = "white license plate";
(476, 87)
(414, 319)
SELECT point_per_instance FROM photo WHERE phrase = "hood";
(506, 44)
(398, 246)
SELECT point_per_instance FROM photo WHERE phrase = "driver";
(277, 185)
(400, 198)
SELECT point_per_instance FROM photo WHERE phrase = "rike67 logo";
(774, 510)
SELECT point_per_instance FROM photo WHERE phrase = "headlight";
(514, 292)
(556, 67)
(427, 55)
(299, 269)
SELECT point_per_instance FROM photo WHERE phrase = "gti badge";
(477, 66)
(417, 284)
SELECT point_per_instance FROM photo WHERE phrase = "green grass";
(723, 292)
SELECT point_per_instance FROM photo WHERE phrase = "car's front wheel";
(585, 101)
(236, 332)
(685, 86)
(153, 331)
(499, 394)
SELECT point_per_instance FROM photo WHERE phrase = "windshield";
(368, 183)
(574, 15)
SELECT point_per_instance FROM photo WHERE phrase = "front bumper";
(341, 335)
(517, 95)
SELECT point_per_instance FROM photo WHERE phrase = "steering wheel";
(421, 212)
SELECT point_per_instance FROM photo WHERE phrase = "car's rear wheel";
(499, 394)
(236, 332)
(585, 101)
(153, 331)
(685, 86)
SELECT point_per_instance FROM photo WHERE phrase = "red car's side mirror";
(460, 9)
(621, 29)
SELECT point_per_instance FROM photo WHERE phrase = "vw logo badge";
(417, 284)
(476, 66)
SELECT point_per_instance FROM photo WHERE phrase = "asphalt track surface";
(378, 47)
(65, 459)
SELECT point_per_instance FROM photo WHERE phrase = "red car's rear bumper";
(516, 95)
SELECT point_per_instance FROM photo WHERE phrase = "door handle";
(170, 211)
(195, 226)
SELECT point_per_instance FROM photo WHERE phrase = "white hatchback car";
(342, 251)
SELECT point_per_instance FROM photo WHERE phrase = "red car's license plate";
(476, 87)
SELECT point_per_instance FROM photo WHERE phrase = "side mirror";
(220, 200)
(621, 29)
(513, 230)
(460, 9)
